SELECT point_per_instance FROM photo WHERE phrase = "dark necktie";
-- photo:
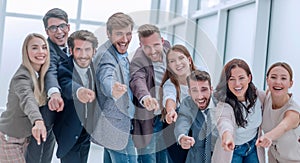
(90, 79)
(65, 49)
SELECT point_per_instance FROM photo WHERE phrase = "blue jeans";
(155, 150)
(245, 153)
(126, 155)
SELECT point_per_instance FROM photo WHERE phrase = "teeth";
(277, 88)
(179, 68)
(238, 89)
(201, 101)
(40, 58)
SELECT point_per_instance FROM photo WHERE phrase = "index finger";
(44, 135)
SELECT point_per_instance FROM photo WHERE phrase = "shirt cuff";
(52, 90)
(78, 91)
(142, 99)
(179, 137)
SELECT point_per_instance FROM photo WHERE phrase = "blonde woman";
(22, 117)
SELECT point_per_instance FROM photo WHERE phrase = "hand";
(38, 131)
(227, 141)
(171, 116)
(263, 141)
(150, 103)
(86, 95)
(118, 90)
(187, 142)
(56, 103)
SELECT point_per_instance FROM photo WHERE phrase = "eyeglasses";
(53, 28)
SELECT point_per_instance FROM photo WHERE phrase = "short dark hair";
(119, 20)
(84, 35)
(147, 30)
(198, 75)
(55, 13)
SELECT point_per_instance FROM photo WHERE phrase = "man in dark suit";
(146, 70)
(57, 28)
(195, 115)
(76, 78)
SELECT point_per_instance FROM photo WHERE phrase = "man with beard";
(76, 78)
(195, 115)
(114, 96)
(147, 68)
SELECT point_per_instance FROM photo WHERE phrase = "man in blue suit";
(115, 96)
(76, 78)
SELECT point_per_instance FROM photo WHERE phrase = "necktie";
(90, 79)
(65, 49)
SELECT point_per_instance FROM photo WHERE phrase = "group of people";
(157, 107)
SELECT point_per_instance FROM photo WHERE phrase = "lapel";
(111, 50)
(57, 49)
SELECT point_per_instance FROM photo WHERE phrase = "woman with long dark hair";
(239, 115)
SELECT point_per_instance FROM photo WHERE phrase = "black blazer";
(75, 115)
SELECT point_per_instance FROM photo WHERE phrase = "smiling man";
(195, 115)
(78, 91)
(114, 96)
(57, 28)
(146, 70)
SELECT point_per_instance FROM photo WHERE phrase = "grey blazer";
(22, 109)
(202, 129)
(113, 128)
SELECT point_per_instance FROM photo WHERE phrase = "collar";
(120, 56)
(80, 69)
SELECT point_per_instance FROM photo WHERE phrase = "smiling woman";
(22, 117)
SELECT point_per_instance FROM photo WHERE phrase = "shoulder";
(166, 45)
(22, 72)
(293, 105)
(21, 77)
(140, 59)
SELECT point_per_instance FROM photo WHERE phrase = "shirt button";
(76, 137)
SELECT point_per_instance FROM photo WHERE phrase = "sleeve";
(184, 120)
(23, 88)
(51, 76)
(225, 118)
(138, 75)
(169, 92)
(106, 74)
(294, 106)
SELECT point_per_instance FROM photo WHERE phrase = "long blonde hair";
(39, 84)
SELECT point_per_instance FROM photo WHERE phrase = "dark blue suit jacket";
(75, 115)
(57, 56)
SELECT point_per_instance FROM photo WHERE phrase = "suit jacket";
(113, 128)
(75, 115)
(202, 130)
(22, 109)
(57, 56)
(142, 83)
